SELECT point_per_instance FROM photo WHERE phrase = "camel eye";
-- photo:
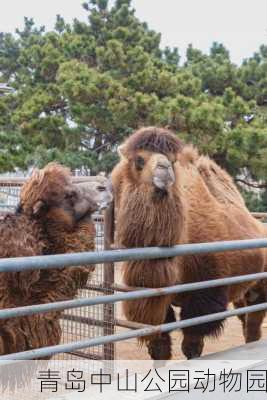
(70, 195)
(139, 163)
(101, 188)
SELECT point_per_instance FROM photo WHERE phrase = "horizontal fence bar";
(91, 321)
(259, 215)
(129, 324)
(106, 256)
(96, 288)
(87, 356)
(9, 182)
(125, 288)
(150, 330)
(82, 320)
(118, 288)
(134, 295)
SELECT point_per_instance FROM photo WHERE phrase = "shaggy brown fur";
(46, 223)
(153, 139)
(185, 211)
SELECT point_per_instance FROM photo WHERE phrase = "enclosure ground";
(232, 337)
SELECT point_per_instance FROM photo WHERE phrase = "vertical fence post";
(109, 309)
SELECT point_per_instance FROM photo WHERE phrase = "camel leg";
(252, 322)
(159, 347)
(254, 296)
(200, 303)
(243, 317)
(192, 345)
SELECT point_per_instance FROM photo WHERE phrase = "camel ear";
(122, 151)
(38, 207)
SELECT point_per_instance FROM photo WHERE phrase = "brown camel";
(223, 188)
(53, 216)
(161, 199)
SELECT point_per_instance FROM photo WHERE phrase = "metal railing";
(106, 256)
(66, 260)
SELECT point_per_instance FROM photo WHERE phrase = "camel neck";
(148, 218)
(33, 230)
(38, 229)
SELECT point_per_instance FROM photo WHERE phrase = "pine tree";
(80, 89)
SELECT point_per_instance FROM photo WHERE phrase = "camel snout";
(163, 175)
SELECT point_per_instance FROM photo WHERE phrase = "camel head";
(97, 192)
(151, 154)
(50, 195)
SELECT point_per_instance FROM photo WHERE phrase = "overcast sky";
(240, 24)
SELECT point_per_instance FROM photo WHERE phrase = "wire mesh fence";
(90, 322)
(9, 194)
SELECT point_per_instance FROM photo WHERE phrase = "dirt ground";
(232, 337)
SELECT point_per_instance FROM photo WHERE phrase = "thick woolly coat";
(23, 235)
(189, 214)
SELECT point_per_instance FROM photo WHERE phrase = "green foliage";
(82, 88)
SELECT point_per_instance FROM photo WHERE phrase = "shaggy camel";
(161, 199)
(53, 216)
(222, 187)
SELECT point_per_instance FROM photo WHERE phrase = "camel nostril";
(160, 166)
(164, 166)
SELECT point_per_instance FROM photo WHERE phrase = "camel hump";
(188, 155)
(219, 183)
